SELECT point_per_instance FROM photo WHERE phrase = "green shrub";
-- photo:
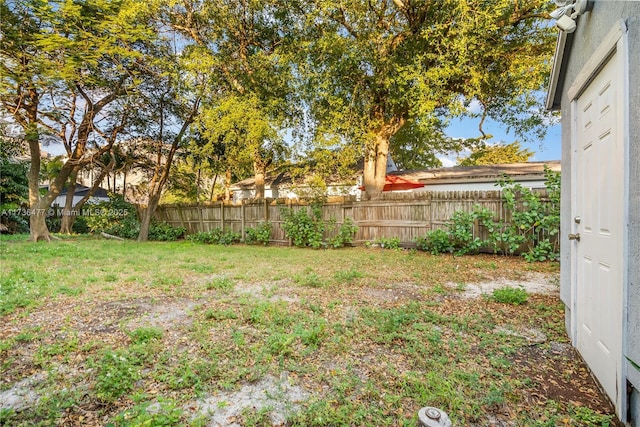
(534, 225)
(346, 233)
(162, 231)
(461, 233)
(116, 216)
(304, 229)
(509, 295)
(216, 236)
(435, 241)
(386, 242)
(261, 234)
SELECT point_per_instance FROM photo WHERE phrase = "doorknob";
(574, 237)
(577, 220)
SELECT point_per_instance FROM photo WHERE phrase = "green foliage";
(304, 229)
(532, 229)
(14, 185)
(435, 241)
(347, 276)
(162, 231)
(461, 233)
(217, 236)
(221, 284)
(117, 372)
(261, 234)
(534, 223)
(307, 230)
(116, 216)
(14, 190)
(346, 233)
(386, 242)
(144, 335)
(510, 295)
(158, 414)
(497, 154)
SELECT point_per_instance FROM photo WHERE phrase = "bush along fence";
(512, 220)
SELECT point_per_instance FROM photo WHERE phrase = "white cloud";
(447, 162)
(474, 107)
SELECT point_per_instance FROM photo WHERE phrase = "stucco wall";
(591, 30)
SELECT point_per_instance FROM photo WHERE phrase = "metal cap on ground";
(433, 417)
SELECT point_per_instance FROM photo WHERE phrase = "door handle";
(574, 237)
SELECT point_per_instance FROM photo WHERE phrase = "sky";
(547, 149)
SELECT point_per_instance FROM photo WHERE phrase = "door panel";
(599, 203)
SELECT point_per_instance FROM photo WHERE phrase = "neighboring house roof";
(529, 171)
(82, 190)
(284, 179)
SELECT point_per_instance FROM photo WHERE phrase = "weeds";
(221, 284)
(509, 295)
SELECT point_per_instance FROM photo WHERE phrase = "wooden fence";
(402, 215)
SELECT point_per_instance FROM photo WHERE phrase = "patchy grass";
(97, 332)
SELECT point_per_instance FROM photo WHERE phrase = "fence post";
(222, 214)
(266, 210)
(200, 217)
(242, 219)
(181, 216)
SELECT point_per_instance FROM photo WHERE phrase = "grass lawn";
(99, 332)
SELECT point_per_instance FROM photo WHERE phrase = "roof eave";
(553, 103)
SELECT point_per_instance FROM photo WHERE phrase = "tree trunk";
(147, 214)
(161, 174)
(227, 186)
(198, 186)
(124, 184)
(259, 172)
(375, 165)
(382, 151)
(68, 213)
(369, 173)
(213, 188)
(37, 226)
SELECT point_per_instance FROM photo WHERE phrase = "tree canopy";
(374, 68)
(497, 154)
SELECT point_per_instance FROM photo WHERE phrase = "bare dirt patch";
(279, 397)
(533, 283)
(558, 373)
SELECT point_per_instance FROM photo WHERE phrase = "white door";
(598, 216)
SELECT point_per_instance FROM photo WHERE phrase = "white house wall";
(592, 27)
(478, 186)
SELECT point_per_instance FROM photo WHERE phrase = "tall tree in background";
(497, 154)
(374, 68)
(248, 46)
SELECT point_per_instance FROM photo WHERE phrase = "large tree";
(64, 66)
(376, 68)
